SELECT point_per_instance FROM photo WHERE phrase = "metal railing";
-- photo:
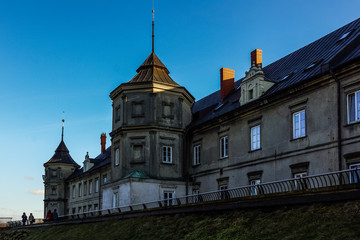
(304, 184)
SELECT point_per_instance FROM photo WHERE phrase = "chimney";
(103, 142)
(227, 84)
(256, 58)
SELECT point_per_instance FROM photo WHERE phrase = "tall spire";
(153, 34)
(62, 132)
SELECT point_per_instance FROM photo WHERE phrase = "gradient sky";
(69, 55)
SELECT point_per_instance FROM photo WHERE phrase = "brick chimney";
(256, 57)
(103, 142)
(227, 84)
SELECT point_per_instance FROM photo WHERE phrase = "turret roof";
(153, 70)
(62, 155)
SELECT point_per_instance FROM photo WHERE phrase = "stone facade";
(295, 117)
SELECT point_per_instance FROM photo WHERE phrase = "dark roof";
(101, 160)
(323, 54)
(153, 70)
(62, 155)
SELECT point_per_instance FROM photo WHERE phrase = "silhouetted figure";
(31, 219)
(49, 216)
(24, 218)
(55, 215)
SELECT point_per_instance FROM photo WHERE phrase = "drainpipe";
(339, 139)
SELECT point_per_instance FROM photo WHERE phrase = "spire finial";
(62, 130)
(153, 34)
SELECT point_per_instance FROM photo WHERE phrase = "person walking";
(31, 219)
(24, 218)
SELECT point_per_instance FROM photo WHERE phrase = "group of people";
(51, 216)
(25, 218)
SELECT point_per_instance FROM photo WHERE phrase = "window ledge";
(255, 150)
(223, 158)
(299, 138)
(166, 163)
(196, 165)
(352, 123)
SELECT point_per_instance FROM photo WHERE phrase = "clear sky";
(69, 55)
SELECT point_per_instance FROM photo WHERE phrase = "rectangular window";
(196, 193)
(90, 186)
(73, 191)
(223, 191)
(167, 154)
(353, 107)
(84, 209)
(115, 202)
(254, 187)
(255, 138)
(196, 155)
(96, 185)
(354, 175)
(168, 198)
(85, 188)
(105, 178)
(299, 182)
(90, 208)
(95, 207)
(79, 209)
(299, 124)
(224, 147)
(117, 157)
(80, 190)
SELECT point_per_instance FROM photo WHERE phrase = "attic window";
(218, 107)
(345, 35)
(286, 77)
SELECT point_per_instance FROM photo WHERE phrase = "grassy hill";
(315, 221)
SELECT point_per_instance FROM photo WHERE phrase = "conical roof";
(153, 70)
(62, 155)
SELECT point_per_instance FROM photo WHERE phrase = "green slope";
(316, 221)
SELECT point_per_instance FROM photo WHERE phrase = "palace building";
(297, 116)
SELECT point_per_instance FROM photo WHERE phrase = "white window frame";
(196, 159)
(255, 138)
(168, 197)
(117, 157)
(353, 177)
(224, 147)
(299, 181)
(167, 154)
(96, 185)
(356, 117)
(299, 124)
(254, 187)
